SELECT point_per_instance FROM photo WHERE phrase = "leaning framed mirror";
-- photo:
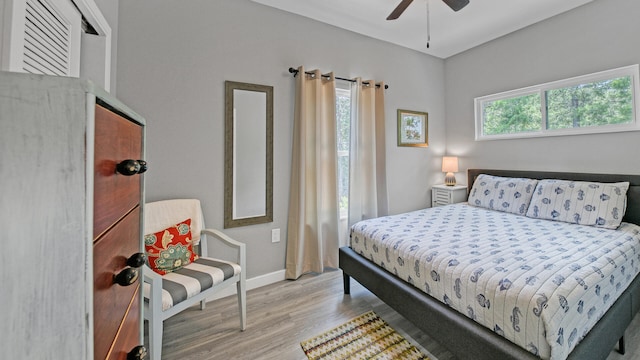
(248, 165)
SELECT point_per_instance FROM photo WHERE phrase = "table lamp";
(449, 166)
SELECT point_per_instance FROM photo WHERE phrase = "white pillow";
(578, 202)
(502, 193)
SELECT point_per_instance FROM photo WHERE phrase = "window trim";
(631, 70)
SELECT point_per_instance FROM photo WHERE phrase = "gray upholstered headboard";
(632, 214)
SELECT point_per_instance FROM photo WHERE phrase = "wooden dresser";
(71, 183)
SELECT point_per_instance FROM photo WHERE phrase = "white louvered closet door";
(44, 38)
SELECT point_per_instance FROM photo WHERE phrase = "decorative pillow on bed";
(578, 202)
(170, 249)
(510, 195)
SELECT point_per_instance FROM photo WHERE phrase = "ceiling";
(451, 32)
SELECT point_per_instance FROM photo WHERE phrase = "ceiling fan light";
(456, 4)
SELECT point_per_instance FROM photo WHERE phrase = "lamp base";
(450, 179)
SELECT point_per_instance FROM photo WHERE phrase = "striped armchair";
(168, 294)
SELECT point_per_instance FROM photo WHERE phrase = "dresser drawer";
(116, 139)
(128, 334)
(110, 300)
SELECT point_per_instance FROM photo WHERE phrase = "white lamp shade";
(449, 164)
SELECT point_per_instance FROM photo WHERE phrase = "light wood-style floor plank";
(281, 315)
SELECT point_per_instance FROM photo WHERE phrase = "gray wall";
(598, 36)
(173, 59)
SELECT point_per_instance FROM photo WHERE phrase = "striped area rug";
(365, 337)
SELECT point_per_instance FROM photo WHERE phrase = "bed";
(467, 338)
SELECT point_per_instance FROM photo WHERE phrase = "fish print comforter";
(541, 284)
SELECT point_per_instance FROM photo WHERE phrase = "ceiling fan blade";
(399, 9)
(456, 4)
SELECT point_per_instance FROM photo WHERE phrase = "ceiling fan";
(453, 4)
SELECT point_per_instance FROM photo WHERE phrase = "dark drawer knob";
(143, 166)
(136, 260)
(131, 167)
(128, 167)
(138, 353)
(126, 277)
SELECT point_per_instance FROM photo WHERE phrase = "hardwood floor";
(281, 315)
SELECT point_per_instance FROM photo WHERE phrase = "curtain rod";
(295, 72)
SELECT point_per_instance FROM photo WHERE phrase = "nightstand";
(444, 194)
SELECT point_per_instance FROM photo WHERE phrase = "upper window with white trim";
(602, 102)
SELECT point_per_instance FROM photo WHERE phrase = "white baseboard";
(253, 283)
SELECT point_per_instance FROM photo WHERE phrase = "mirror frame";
(229, 221)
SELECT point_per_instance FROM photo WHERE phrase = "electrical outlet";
(275, 235)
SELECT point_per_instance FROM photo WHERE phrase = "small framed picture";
(413, 128)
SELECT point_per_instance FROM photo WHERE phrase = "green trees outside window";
(343, 122)
(593, 104)
(513, 115)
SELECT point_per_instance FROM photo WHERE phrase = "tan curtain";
(367, 169)
(312, 232)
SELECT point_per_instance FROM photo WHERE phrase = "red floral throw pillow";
(170, 249)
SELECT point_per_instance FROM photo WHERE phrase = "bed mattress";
(540, 284)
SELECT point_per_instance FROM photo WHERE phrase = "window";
(596, 103)
(343, 121)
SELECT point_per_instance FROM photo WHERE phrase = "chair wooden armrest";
(150, 276)
(223, 238)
